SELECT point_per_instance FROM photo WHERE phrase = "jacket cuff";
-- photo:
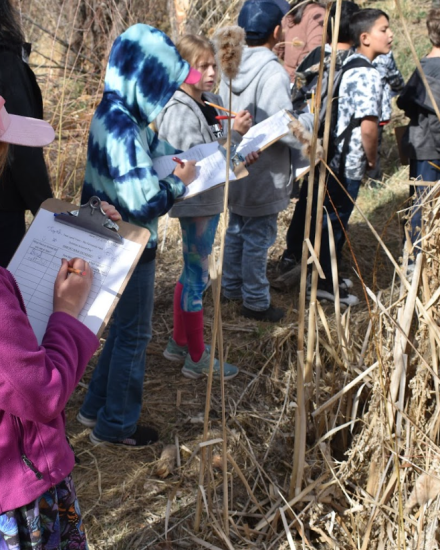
(89, 341)
(236, 137)
(177, 187)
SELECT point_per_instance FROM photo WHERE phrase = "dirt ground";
(126, 506)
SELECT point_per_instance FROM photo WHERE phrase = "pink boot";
(179, 332)
(194, 333)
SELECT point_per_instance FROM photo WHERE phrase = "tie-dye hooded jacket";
(143, 72)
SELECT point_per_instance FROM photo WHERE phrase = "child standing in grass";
(38, 503)
(421, 142)
(354, 139)
(262, 85)
(143, 72)
(187, 121)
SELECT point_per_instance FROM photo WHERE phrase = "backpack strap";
(345, 136)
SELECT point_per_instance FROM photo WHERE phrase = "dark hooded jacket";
(421, 140)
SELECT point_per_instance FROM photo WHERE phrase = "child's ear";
(278, 33)
(364, 39)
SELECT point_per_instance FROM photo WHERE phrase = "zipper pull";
(31, 466)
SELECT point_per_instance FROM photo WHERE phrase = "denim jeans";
(245, 261)
(114, 396)
(420, 169)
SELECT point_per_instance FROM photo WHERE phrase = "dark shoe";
(271, 314)
(287, 264)
(143, 436)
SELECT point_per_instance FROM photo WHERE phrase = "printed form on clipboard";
(211, 161)
(37, 261)
(210, 167)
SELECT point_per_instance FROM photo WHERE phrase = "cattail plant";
(229, 43)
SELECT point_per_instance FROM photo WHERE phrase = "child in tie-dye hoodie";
(143, 72)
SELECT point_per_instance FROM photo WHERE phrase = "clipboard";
(279, 126)
(54, 234)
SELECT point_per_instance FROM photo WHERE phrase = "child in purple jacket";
(38, 504)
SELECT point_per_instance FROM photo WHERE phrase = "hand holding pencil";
(186, 171)
(242, 122)
(72, 286)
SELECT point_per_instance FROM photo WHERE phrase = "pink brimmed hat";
(193, 76)
(21, 130)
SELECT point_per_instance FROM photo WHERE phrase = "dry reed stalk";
(224, 433)
(230, 44)
(306, 375)
(399, 374)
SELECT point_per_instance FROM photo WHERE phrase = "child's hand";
(72, 289)
(242, 122)
(186, 173)
(110, 211)
(252, 157)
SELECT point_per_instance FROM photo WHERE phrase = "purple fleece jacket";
(35, 385)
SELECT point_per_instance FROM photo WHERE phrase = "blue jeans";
(420, 169)
(198, 234)
(245, 261)
(114, 396)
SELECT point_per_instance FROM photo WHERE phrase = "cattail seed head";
(305, 138)
(229, 43)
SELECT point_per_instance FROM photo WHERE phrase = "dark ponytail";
(10, 28)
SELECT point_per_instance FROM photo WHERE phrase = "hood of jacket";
(143, 72)
(253, 61)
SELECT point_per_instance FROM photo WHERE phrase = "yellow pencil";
(77, 271)
(221, 108)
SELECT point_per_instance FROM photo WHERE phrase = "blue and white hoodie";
(143, 72)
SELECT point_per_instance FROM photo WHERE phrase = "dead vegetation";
(371, 457)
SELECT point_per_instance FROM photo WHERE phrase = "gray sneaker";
(191, 369)
(174, 352)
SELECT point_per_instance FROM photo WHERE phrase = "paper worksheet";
(264, 133)
(210, 166)
(38, 259)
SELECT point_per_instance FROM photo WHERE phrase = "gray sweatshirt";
(262, 86)
(183, 125)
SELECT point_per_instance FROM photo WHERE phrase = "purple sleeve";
(37, 381)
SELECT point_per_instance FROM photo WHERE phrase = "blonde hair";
(192, 47)
(433, 26)
(4, 148)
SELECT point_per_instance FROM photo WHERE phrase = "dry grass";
(364, 455)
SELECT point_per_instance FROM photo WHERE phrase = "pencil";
(77, 271)
(221, 108)
(179, 161)
(224, 117)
